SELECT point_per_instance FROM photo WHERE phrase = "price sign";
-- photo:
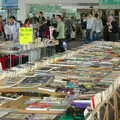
(25, 35)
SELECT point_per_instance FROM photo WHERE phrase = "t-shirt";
(61, 30)
(90, 22)
(97, 25)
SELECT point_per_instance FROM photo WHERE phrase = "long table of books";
(13, 54)
(66, 86)
(10, 47)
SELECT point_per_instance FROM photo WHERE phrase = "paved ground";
(74, 44)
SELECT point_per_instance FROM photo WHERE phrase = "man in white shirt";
(7, 29)
(14, 28)
(90, 20)
(97, 28)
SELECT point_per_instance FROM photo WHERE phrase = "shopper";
(89, 26)
(34, 21)
(27, 23)
(42, 28)
(14, 28)
(104, 19)
(46, 32)
(84, 25)
(111, 30)
(74, 27)
(97, 27)
(60, 30)
(53, 21)
(69, 28)
(41, 18)
(1, 28)
(8, 30)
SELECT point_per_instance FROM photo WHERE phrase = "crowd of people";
(96, 28)
(89, 28)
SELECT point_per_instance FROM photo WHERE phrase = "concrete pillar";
(0, 3)
(22, 12)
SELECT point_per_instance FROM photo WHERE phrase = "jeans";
(88, 35)
(96, 36)
(9, 37)
(59, 47)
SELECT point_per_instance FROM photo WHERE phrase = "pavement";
(74, 44)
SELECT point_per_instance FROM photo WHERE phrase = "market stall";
(82, 79)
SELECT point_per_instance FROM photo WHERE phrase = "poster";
(25, 35)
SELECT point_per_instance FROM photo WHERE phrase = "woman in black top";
(111, 30)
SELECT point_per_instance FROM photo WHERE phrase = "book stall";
(75, 84)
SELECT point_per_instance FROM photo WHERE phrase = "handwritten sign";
(25, 35)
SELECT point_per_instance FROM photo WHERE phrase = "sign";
(10, 3)
(110, 2)
(25, 35)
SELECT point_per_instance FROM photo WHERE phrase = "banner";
(10, 3)
(110, 2)
(25, 35)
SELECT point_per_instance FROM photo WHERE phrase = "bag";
(65, 45)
